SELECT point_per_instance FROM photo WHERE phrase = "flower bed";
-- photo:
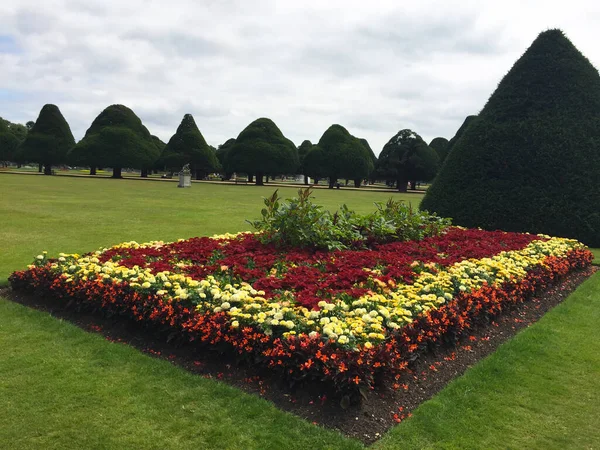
(347, 317)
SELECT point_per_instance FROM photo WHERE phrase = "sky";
(374, 67)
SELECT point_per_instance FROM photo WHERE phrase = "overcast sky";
(374, 67)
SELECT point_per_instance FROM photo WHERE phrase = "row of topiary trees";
(118, 139)
(529, 161)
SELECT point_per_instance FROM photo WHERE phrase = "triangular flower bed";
(350, 318)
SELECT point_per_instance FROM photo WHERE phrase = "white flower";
(225, 305)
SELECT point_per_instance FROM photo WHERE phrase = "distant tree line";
(529, 161)
(117, 139)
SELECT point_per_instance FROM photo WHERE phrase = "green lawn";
(61, 387)
(65, 214)
(541, 390)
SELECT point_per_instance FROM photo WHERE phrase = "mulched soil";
(367, 422)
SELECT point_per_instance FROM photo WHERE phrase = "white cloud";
(373, 67)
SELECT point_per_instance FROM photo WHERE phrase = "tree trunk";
(144, 173)
(250, 178)
(47, 169)
(267, 179)
(401, 184)
(259, 179)
(40, 167)
(332, 182)
(117, 172)
(305, 180)
(357, 182)
(92, 170)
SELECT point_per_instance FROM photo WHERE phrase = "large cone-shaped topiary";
(187, 146)
(262, 149)
(531, 160)
(49, 140)
(116, 139)
(452, 142)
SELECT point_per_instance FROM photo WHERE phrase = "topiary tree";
(116, 139)
(530, 160)
(49, 140)
(365, 144)
(314, 164)
(407, 158)
(8, 143)
(222, 153)
(452, 142)
(303, 150)
(440, 145)
(344, 156)
(261, 149)
(159, 163)
(187, 146)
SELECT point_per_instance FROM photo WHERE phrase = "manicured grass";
(61, 387)
(541, 390)
(596, 252)
(64, 214)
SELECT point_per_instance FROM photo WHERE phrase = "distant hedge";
(531, 160)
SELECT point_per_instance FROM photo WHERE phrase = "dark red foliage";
(316, 275)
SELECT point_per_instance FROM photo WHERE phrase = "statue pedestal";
(185, 180)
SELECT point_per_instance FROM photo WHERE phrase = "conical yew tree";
(8, 143)
(343, 156)
(187, 146)
(440, 145)
(262, 149)
(48, 141)
(116, 139)
(407, 158)
(531, 160)
(452, 142)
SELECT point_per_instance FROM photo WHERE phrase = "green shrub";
(298, 222)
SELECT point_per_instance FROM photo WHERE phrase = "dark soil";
(382, 408)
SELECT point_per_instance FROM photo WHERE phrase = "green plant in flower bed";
(346, 317)
(301, 223)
